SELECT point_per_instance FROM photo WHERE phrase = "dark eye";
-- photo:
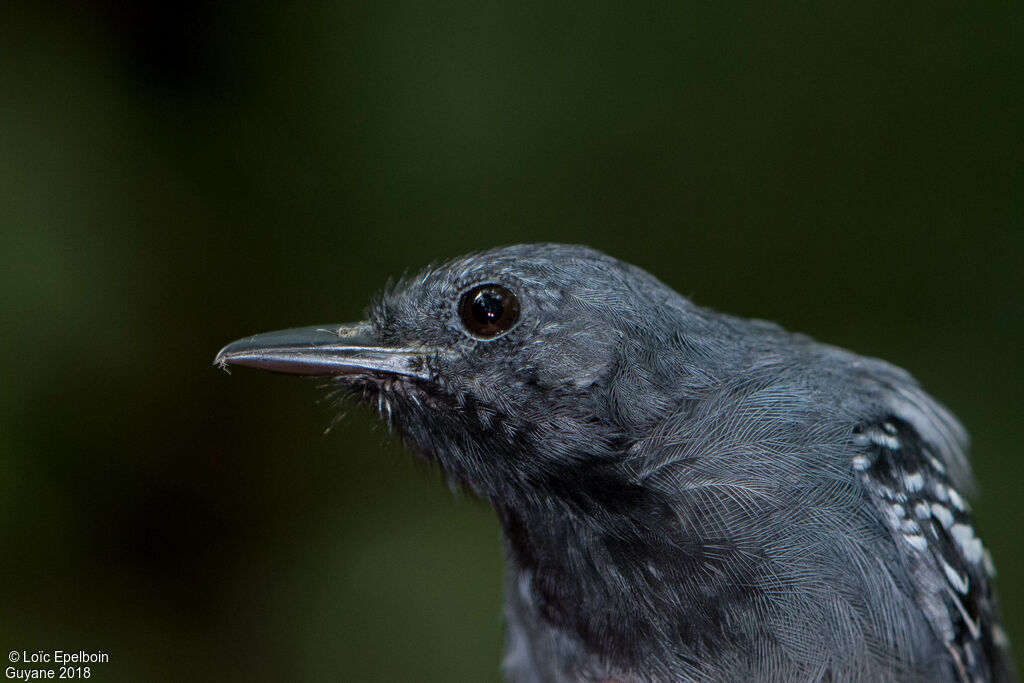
(489, 310)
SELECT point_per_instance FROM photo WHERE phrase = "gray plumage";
(685, 495)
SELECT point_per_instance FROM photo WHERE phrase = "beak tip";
(223, 359)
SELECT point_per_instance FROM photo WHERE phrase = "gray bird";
(685, 495)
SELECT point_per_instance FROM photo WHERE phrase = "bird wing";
(908, 478)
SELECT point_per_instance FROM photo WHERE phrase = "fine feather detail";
(910, 479)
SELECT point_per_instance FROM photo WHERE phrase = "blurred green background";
(175, 175)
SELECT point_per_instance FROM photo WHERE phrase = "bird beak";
(325, 351)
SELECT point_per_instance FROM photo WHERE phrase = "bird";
(684, 495)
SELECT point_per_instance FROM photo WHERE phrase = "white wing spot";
(914, 482)
(922, 510)
(960, 583)
(917, 541)
(942, 513)
(861, 462)
(990, 566)
(957, 501)
(909, 526)
(892, 494)
(969, 543)
(884, 440)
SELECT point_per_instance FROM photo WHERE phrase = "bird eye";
(489, 310)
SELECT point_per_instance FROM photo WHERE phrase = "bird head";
(507, 366)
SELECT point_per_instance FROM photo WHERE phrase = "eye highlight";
(489, 310)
